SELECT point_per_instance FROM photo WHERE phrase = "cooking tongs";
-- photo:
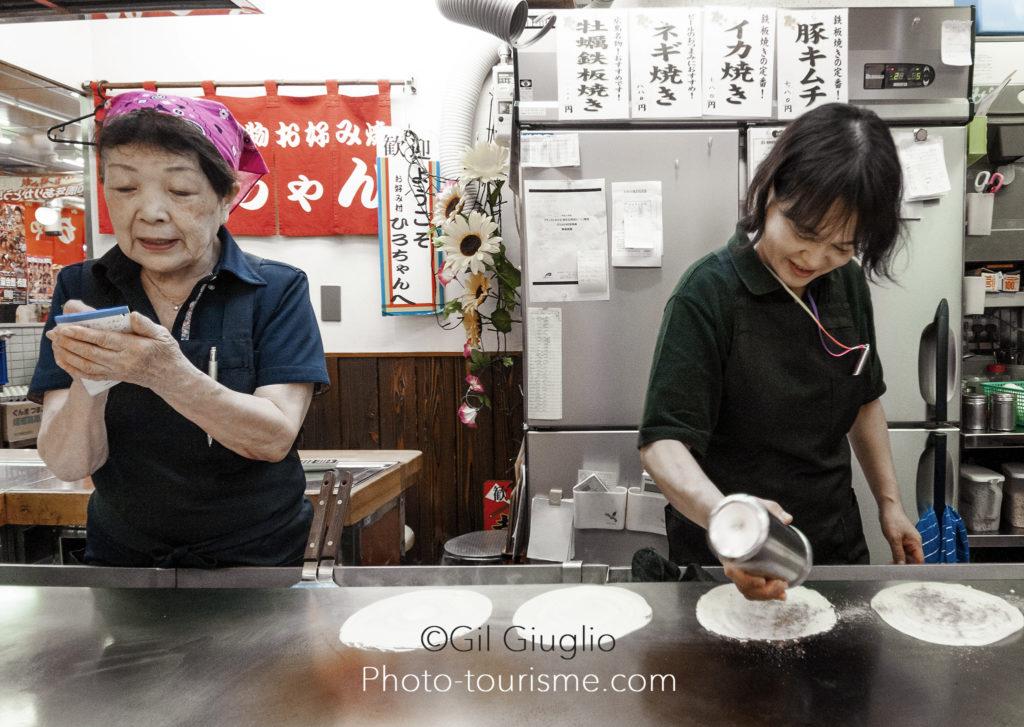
(324, 548)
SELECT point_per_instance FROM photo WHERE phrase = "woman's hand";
(904, 540)
(148, 356)
(756, 587)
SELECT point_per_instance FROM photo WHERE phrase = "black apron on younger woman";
(740, 376)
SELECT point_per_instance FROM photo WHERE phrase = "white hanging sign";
(739, 61)
(813, 59)
(593, 64)
(665, 63)
(407, 181)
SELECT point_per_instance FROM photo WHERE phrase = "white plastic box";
(981, 498)
(1013, 494)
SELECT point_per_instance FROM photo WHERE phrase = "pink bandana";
(228, 137)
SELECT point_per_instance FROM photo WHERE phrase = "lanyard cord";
(822, 332)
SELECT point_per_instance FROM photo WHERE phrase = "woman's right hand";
(60, 352)
(756, 587)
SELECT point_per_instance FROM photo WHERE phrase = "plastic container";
(981, 498)
(1012, 387)
(1013, 494)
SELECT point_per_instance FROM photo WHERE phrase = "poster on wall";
(738, 63)
(47, 254)
(321, 152)
(408, 181)
(593, 64)
(812, 51)
(665, 63)
(13, 274)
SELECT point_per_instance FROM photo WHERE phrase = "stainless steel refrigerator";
(607, 345)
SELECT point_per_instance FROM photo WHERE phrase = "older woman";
(190, 469)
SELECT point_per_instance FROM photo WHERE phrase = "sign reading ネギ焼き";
(812, 47)
(665, 63)
(739, 58)
(321, 152)
(593, 64)
(409, 263)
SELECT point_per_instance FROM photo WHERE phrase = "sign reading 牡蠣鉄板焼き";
(665, 63)
(593, 64)
(739, 58)
(407, 182)
(812, 49)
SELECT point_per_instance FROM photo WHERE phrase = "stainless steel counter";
(98, 656)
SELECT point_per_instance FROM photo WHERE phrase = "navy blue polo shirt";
(165, 496)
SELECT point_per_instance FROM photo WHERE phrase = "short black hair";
(836, 153)
(148, 127)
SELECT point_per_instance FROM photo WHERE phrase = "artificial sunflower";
(468, 243)
(449, 203)
(471, 322)
(477, 287)
(487, 162)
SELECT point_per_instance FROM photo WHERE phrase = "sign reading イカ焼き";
(812, 49)
(739, 58)
(593, 64)
(665, 63)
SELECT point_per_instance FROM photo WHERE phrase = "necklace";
(162, 294)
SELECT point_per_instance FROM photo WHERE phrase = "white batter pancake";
(947, 613)
(725, 611)
(582, 611)
(397, 623)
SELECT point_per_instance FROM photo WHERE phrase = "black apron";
(167, 498)
(781, 429)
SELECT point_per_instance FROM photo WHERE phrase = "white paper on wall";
(813, 59)
(564, 218)
(544, 363)
(637, 238)
(593, 64)
(541, 149)
(956, 42)
(924, 167)
(738, 61)
(665, 63)
(760, 140)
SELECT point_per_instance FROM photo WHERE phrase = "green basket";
(994, 387)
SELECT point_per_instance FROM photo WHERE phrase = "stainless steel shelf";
(989, 440)
(1004, 300)
(1007, 537)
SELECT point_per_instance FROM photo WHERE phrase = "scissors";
(990, 182)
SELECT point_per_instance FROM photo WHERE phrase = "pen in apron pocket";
(211, 371)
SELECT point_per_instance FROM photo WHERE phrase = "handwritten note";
(738, 61)
(593, 64)
(812, 60)
(665, 63)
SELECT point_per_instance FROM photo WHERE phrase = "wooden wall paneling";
(322, 427)
(508, 417)
(438, 421)
(359, 401)
(474, 457)
(399, 429)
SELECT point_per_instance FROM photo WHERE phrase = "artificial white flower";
(449, 202)
(467, 243)
(487, 161)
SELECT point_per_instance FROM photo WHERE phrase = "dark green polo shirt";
(740, 376)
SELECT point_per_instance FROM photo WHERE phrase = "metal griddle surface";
(221, 657)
